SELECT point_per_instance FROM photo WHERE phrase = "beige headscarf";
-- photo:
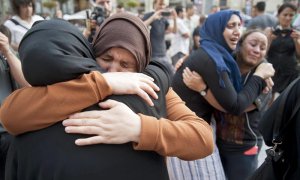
(126, 31)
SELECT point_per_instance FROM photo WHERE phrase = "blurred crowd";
(206, 83)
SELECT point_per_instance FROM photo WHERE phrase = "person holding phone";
(180, 42)
(22, 21)
(159, 27)
(284, 48)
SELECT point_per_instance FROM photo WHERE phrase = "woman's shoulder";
(200, 53)
(199, 59)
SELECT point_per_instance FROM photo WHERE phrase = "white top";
(178, 42)
(17, 31)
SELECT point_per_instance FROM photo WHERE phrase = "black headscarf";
(54, 51)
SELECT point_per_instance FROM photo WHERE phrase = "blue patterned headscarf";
(213, 42)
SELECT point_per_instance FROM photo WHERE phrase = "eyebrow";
(128, 62)
(257, 41)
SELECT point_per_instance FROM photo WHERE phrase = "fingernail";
(67, 129)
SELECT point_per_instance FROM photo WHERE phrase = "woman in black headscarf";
(109, 161)
(50, 153)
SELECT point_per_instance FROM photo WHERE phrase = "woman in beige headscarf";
(117, 49)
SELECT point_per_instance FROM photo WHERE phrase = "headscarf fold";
(213, 42)
(117, 31)
(53, 51)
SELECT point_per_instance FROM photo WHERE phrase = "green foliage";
(49, 4)
(132, 3)
(129, 3)
(62, 1)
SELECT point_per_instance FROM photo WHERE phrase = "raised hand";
(4, 44)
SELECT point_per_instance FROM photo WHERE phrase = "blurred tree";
(49, 4)
(132, 3)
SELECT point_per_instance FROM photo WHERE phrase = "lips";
(253, 57)
(234, 40)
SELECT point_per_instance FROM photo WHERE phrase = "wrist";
(259, 75)
(7, 52)
(109, 82)
(203, 92)
(137, 129)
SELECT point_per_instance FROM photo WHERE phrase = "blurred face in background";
(159, 4)
(285, 17)
(190, 11)
(106, 4)
(26, 11)
(253, 12)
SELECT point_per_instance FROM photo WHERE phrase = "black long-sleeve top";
(233, 102)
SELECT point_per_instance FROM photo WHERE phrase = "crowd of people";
(174, 95)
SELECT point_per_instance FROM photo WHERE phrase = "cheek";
(263, 53)
(227, 34)
(103, 64)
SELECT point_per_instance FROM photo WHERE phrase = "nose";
(106, 5)
(237, 30)
(113, 68)
(256, 49)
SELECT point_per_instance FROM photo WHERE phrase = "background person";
(284, 48)
(11, 77)
(261, 20)
(180, 41)
(22, 21)
(159, 27)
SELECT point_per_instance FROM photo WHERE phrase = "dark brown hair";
(16, 5)
(286, 5)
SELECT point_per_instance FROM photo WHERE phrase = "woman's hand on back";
(193, 80)
(132, 83)
(118, 124)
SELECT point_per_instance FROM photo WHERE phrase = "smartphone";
(166, 13)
